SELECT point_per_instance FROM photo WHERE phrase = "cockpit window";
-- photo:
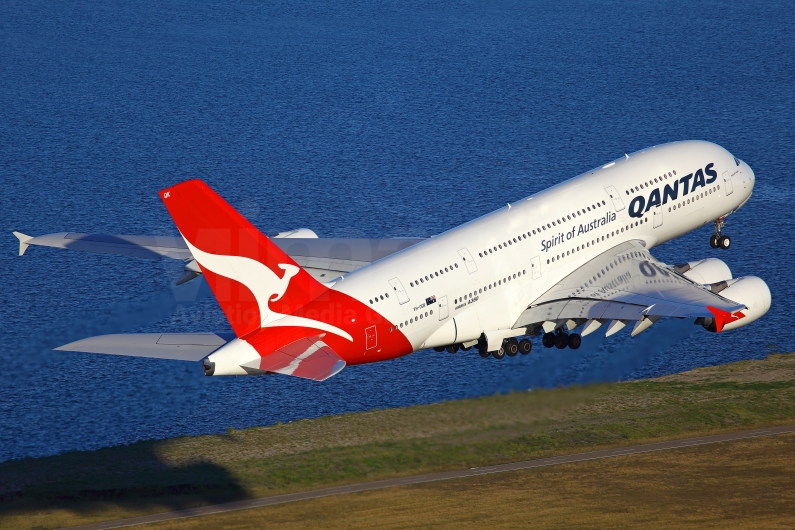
(736, 161)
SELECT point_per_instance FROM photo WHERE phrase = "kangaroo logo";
(265, 284)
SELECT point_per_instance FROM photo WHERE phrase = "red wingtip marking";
(723, 317)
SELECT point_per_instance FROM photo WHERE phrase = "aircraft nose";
(749, 176)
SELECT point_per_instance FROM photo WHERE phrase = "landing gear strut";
(561, 340)
(717, 240)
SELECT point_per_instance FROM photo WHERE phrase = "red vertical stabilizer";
(254, 281)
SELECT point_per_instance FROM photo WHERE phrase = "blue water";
(351, 118)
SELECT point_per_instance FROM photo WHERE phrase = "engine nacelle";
(749, 291)
(710, 270)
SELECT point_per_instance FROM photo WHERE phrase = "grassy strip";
(148, 477)
(742, 484)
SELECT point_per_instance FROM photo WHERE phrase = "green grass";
(147, 477)
(743, 484)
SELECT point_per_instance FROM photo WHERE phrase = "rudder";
(254, 281)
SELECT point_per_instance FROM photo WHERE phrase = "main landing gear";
(560, 340)
(510, 347)
(717, 240)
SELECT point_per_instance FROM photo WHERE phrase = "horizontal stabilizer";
(177, 346)
(151, 247)
(308, 358)
(23, 241)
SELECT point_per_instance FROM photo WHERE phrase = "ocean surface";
(351, 118)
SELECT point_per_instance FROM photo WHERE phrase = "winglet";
(724, 317)
(23, 241)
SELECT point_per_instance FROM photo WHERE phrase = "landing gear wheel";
(574, 341)
(561, 340)
(713, 241)
(525, 346)
(438, 348)
(724, 242)
(484, 353)
(452, 348)
(499, 354)
(511, 347)
(548, 340)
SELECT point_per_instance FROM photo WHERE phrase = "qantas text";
(641, 205)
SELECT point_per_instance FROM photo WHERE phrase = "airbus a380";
(559, 264)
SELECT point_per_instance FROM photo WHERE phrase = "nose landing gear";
(717, 240)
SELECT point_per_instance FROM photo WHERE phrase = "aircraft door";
(468, 261)
(618, 204)
(371, 338)
(400, 292)
(727, 182)
(658, 216)
(443, 309)
(535, 266)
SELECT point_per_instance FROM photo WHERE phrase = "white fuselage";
(491, 269)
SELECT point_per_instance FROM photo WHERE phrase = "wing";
(176, 346)
(624, 284)
(324, 259)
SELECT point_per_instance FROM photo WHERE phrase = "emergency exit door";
(618, 204)
(444, 311)
(658, 216)
(727, 183)
(400, 292)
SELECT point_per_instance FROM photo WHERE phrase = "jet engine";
(710, 270)
(749, 291)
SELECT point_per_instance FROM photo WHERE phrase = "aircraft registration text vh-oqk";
(559, 264)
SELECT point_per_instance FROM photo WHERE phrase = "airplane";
(559, 264)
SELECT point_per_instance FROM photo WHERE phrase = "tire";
(525, 346)
(724, 242)
(713, 241)
(561, 341)
(452, 348)
(499, 354)
(574, 341)
(484, 353)
(438, 348)
(548, 340)
(511, 347)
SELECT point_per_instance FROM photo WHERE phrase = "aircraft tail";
(254, 281)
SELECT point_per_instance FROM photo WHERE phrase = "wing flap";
(176, 346)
